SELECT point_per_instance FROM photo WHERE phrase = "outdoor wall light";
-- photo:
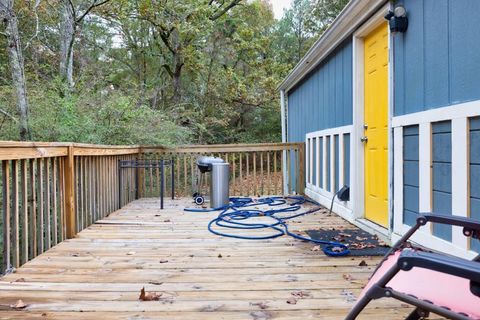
(397, 19)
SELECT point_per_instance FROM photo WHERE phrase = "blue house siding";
(437, 60)
(410, 175)
(324, 98)
(442, 175)
(475, 175)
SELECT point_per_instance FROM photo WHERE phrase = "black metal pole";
(119, 184)
(173, 178)
(161, 184)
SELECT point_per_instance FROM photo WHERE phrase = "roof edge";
(349, 19)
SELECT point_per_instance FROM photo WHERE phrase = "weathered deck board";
(99, 274)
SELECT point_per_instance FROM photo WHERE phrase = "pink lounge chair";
(432, 282)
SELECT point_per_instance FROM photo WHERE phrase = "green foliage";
(161, 72)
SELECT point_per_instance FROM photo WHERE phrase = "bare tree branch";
(221, 12)
(5, 113)
(72, 6)
(92, 6)
(37, 23)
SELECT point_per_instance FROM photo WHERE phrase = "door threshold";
(381, 232)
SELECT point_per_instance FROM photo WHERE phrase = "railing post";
(301, 169)
(69, 174)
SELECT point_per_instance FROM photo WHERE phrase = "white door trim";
(357, 152)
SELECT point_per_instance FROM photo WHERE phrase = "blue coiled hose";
(238, 212)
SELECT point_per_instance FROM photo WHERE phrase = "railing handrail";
(222, 148)
(16, 150)
(34, 144)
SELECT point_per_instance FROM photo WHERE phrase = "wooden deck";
(99, 274)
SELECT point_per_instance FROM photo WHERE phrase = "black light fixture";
(397, 19)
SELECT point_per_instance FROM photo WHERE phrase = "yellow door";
(376, 125)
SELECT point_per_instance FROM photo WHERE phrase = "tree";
(324, 12)
(16, 63)
(72, 17)
(178, 26)
(152, 71)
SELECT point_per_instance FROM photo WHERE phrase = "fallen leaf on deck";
(301, 294)
(157, 283)
(149, 296)
(344, 234)
(131, 253)
(292, 301)
(163, 261)
(166, 220)
(220, 255)
(347, 277)
(363, 263)
(19, 305)
(348, 295)
(20, 280)
(211, 308)
(261, 305)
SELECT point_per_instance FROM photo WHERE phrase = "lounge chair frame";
(429, 260)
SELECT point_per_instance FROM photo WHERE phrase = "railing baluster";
(41, 203)
(33, 206)
(177, 167)
(240, 174)
(274, 174)
(268, 174)
(15, 216)
(6, 214)
(234, 169)
(248, 172)
(289, 175)
(255, 183)
(151, 181)
(24, 193)
(55, 213)
(48, 232)
(84, 179)
(262, 175)
(61, 186)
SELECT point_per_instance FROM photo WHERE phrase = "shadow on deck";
(99, 274)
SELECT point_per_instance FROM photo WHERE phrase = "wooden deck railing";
(255, 169)
(51, 191)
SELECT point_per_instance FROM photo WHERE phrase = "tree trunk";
(15, 59)
(66, 44)
(178, 63)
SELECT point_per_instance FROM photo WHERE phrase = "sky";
(279, 5)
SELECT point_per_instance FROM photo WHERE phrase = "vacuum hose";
(236, 215)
